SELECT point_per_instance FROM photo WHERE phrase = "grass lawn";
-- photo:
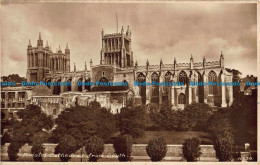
(174, 137)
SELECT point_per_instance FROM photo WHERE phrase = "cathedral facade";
(117, 65)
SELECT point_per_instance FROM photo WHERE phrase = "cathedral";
(117, 65)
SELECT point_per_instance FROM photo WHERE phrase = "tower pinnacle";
(40, 38)
(47, 44)
(29, 44)
(122, 30)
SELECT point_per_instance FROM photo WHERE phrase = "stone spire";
(91, 63)
(136, 64)
(40, 42)
(40, 37)
(127, 31)
(204, 62)
(74, 67)
(102, 32)
(122, 30)
(191, 61)
(85, 66)
(221, 60)
(59, 50)
(67, 46)
(47, 46)
(175, 63)
(29, 44)
(147, 62)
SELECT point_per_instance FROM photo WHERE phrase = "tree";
(82, 122)
(219, 122)
(131, 121)
(31, 121)
(191, 149)
(244, 121)
(67, 146)
(157, 149)
(194, 116)
(123, 147)
(168, 118)
(223, 146)
(94, 148)
(37, 149)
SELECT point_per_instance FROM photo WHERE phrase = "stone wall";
(138, 152)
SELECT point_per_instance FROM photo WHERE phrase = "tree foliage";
(132, 121)
(194, 116)
(244, 121)
(157, 149)
(31, 121)
(223, 146)
(219, 122)
(94, 148)
(123, 147)
(168, 118)
(13, 150)
(6, 138)
(37, 149)
(67, 146)
(82, 122)
(191, 149)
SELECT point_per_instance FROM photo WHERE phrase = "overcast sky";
(159, 30)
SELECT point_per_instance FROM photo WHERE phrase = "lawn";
(174, 137)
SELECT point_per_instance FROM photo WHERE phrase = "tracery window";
(213, 78)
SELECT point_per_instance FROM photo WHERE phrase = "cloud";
(159, 30)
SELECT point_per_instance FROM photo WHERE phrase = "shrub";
(13, 150)
(37, 148)
(67, 145)
(94, 148)
(157, 149)
(191, 149)
(123, 147)
(223, 146)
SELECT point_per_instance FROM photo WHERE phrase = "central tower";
(116, 49)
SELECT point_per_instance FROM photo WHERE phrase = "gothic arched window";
(32, 60)
(141, 78)
(213, 78)
(155, 77)
(36, 59)
(183, 77)
(168, 76)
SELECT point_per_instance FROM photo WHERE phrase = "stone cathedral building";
(117, 65)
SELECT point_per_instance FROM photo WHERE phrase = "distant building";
(247, 89)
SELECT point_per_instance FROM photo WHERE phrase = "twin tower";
(41, 61)
(116, 50)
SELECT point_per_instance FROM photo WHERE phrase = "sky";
(159, 31)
